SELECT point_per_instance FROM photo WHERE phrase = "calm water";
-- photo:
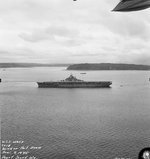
(77, 123)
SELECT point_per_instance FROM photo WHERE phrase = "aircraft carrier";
(73, 82)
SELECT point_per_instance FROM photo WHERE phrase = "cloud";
(89, 54)
(127, 26)
(50, 33)
(3, 52)
(143, 59)
(68, 31)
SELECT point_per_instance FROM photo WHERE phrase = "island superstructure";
(73, 82)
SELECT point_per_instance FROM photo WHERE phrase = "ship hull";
(102, 84)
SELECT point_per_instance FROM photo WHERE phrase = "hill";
(10, 65)
(107, 66)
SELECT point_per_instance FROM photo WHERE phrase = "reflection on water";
(77, 123)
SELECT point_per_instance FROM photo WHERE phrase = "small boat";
(83, 73)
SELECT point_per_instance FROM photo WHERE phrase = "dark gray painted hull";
(102, 84)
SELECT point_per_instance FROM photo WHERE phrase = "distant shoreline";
(108, 66)
(82, 66)
(27, 65)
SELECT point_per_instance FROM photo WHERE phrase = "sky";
(67, 31)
